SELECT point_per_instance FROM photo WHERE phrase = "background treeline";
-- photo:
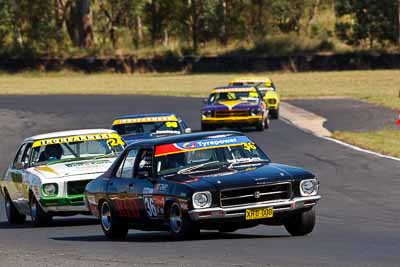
(182, 27)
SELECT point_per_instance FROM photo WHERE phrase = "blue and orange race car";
(144, 126)
(234, 106)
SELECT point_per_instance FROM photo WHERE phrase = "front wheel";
(180, 225)
(38, 216)
(110, 225)
(301, 223)
(260, 126)
(13, 216)
(274, 113)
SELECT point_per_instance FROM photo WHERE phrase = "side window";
(183, 124)
(125, 170)
(121, 165)
(19, 155)
(144, 164)
(27, 154)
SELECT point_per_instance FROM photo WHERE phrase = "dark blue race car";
(211, 180)
(134, 128)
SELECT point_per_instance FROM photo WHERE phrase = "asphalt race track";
(358, 217)
(345, 114)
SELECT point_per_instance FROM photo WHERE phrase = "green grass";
(380, 87)
(385, 141)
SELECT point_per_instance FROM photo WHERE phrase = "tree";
(287, 14)
(372, 21)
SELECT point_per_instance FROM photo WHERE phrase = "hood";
(232, 105)
(246, 175)
(74, 168)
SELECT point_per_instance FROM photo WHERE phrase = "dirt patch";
(303, 119)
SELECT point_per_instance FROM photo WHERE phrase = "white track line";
(360, 149)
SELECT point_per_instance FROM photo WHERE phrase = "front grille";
(231, 113)
(76, 187)
(256, 194)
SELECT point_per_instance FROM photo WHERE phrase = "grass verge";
(385, 141)
(379, 87)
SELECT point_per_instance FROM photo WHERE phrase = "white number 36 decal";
(150, 208)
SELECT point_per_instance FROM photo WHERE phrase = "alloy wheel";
(106, 216)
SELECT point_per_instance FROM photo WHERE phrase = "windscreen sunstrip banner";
(167, 149)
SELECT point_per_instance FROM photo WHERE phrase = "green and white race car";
(50, 172)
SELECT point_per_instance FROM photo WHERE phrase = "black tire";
(180, 225)
(110, 224)
(13, 215)
(274, 113)
(38, 216)
(301, 223)
(260, 126)
(267, 122)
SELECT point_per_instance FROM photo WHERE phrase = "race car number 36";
(150, 207)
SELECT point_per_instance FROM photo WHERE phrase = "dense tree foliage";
(367, 20)
(63, 26)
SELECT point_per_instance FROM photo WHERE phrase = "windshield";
(159, 127)
(208, 154)
(74, 148)
(227, 96)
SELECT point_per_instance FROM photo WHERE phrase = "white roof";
(68, 133)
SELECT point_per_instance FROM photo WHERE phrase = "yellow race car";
(267, 89)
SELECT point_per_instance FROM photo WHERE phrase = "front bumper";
(71, 209)
(232, 120)
(240, 211)
(64, 204)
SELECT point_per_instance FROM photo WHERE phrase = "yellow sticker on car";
(249, 146)
(116, 139)
(233, 89)
(143, 120)
(261, 213)
(171, 124)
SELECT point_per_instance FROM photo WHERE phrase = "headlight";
(272, 101)
(206, 113)
(50, 189)
(202, 200)
(309, 187)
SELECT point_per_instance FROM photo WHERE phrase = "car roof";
(137, 116)
(234, 86)
(68, 133)
(250, 80)
(184, 138)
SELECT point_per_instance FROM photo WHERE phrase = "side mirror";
(205, 100)
(20, 165)
(188, 130)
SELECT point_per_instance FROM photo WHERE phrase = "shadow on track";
(56, 223)
(157, 237)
